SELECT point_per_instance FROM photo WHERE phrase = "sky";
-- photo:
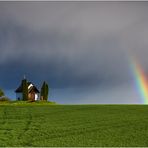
(82, 49)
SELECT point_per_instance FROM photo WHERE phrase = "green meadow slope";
(74, 125)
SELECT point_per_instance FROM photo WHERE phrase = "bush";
(1, 93)
(2, 99)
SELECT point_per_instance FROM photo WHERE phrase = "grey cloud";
(72, 44)
(72, 61)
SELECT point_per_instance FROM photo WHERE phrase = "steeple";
(24, 76)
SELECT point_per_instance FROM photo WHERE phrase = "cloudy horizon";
(82, 49)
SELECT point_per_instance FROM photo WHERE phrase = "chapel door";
(32, 96)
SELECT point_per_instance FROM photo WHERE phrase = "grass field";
(74, 125)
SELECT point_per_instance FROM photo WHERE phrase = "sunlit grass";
(74, 125)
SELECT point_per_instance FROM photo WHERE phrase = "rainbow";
(140, 80)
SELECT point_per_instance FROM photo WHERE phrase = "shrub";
(3, 99)
(1, 93)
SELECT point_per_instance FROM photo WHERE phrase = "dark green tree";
(1, 93)
(25, 89)
(44, 91)
(47, 90)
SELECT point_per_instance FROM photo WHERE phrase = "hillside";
(74, 125)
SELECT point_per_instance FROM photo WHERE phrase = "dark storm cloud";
(40, 56)
(70, 44)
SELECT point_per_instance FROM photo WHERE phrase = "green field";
(74, 125)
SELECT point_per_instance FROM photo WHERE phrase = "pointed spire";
(24, 76)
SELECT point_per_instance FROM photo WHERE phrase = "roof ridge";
(19, 89)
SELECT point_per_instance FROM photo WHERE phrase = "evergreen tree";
(47, 90)
(1, 93)
(25, 89)
(44, 91)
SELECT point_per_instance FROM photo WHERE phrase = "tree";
(25, 89)
(1, 93)
(44, 91)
